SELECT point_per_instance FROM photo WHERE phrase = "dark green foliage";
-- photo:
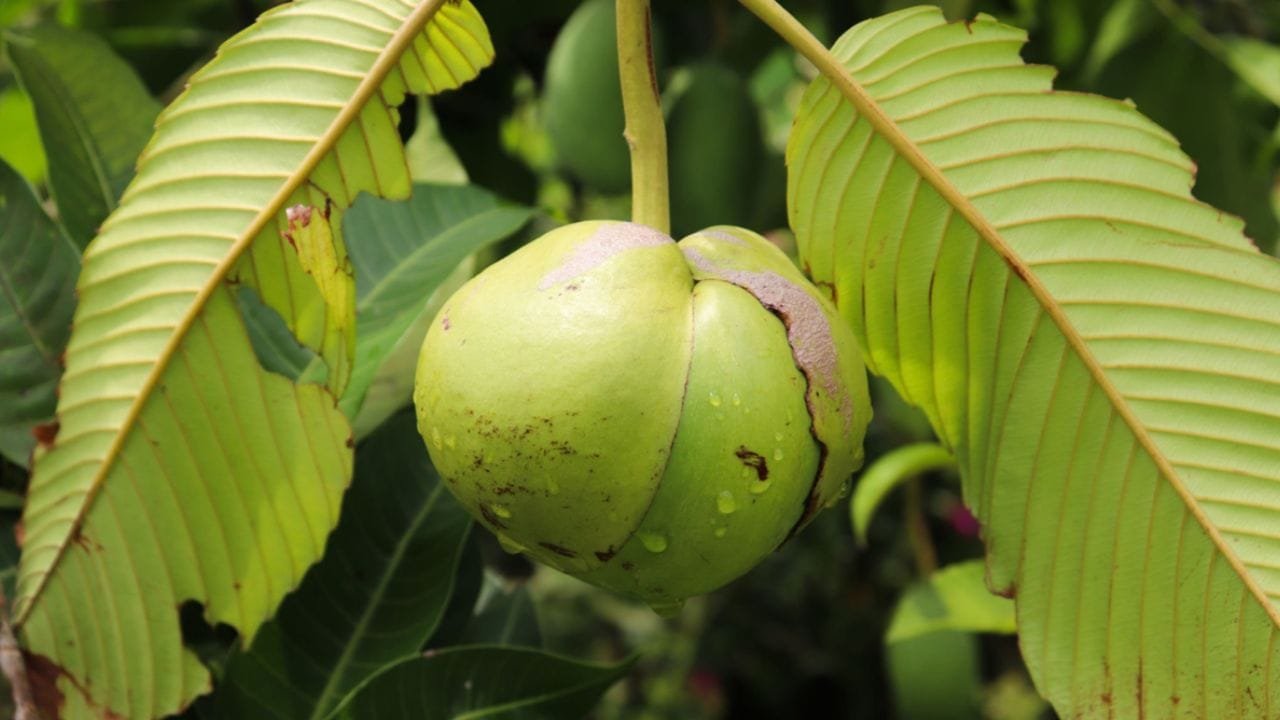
(374, 599)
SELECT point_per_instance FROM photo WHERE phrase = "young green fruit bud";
(652, 417)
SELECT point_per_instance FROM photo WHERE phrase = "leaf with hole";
(1099, 350)
(375, 598)
(183, 471)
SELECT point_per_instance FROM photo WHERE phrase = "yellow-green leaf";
(183, 471)
(1099, 350)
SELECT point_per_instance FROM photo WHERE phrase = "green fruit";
(715, 148)
(652, 417)
(582, 100)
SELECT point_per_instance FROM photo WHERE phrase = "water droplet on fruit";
(510, 545)
(721, 532)
(777, 453)
(654, 542)
(450, 441)
(667, 609)
(777, 436)
(714, 399)
(737, 400)
(725, 502)
(435, 437)
(501, 511)
(758, 488)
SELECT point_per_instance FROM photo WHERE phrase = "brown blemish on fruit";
(753, 460)
(812, 347)
(610, 240)
(491, 518)
(628, 565)
(560, 550)
(808, 331)
(606, 555)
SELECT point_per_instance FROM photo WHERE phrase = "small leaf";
(1257, 63)
(430, 157)
(378, 594)
(479, 681)
(954, 598)
(1123, 24)
(889, 471)
(94, 114)
(37, 298)
(20, 144)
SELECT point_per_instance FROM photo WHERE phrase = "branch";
(646, 135)
(14, 668)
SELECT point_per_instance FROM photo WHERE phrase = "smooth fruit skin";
(549, 388)
(822, 344)
(652, 417)
(743, 461)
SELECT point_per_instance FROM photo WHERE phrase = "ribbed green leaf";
(184, 471)
(37, 297)
(94, 115)
(480, 681)
(1100, 351)
(374, 599)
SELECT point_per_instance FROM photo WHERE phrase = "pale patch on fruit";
(610, 240)
(808, 331)
(723, 236)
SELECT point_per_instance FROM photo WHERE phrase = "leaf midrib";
(321, 708)
(390, 57)
(838, 75)
(19, 310)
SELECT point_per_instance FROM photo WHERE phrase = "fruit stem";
(645, 133)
